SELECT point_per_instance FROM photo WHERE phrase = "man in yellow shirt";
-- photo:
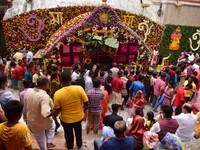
(69, 101)
(189, 94)
(14, 135)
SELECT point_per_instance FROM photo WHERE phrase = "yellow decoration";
(61, 43)
(128, 20)
(104, 17)
(175, 39)
(161, 66)
(148, 29)
(56, 18)
(86, 29)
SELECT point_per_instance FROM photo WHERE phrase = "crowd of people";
(69, 96)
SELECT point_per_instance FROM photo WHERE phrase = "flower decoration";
(88, 60)
(72, 16)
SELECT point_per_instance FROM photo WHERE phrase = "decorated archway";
(99, 34)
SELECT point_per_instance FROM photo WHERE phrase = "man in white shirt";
(190, 57)
(29, 56)
(18, 56)
(75, 73)
(196, 64)
(88, 81)
(187, 122)
(114, 70)
(38, 106)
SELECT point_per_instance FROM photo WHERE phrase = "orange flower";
(86, 29)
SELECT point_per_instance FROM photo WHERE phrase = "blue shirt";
(136, 86)
(127, 143)
(167, 78)
(28, 76)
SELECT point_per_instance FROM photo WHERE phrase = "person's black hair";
(96, 82)
(115, 107)
(101, 73)
(119, 73)
(178, 110)
(54, 76)
(137, 72)
(189, 85)
(65, 76)
(195, 73)
(132, 72)
(186, 107)
(119, 127)
(91, 73)
(161, 135)
(163, 75)
(167, 110)
(13, 109)
(75, 66)
(26, 83)
(139, 111)
(149, 72)
(167, 69)
(171, 83)
(29, 66)
(141, 77)
(12, 64)
(150, 116)
(125, 72)
(154, 74)
(109, 71)
(42, 81)
(3, 79)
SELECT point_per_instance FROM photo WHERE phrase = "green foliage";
(187, 32)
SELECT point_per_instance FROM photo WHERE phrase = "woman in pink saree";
(155, 57)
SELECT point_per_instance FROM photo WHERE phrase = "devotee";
(107, 132)
(136, 86)
(18, 74)
(29, 56)
(88, 81)
(13, 134)
(168, 93)
(69, 101)
(196, 64)
(191, 57)
(2, 115)
(125, 92)
(166, 123)
(35, 76)
(187, 122)
(95, 97)
(117, 86)
(120, 142)
(137, 128)
(150, 120)
(169, 141)
(17, 56)
(148, 84)
(155, 57)
(114, 69)
(39, 106)
(5, 96)
(197, 127)
(28, 74)
(179, 99)
(159, 88)
(104, 103)
(189, 94)
(108, 82)
(26, 85)
(190, 69)
(75, 73)
(80, 80)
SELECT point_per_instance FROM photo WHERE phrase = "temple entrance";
(103, 60)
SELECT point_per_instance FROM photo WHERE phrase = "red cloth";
(18, 73)
(171, 74)
(137, 130)
(2, 68)
(179, 99)
(117, 85)
(169, 125)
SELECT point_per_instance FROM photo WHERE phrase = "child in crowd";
(13, 134)
(150, 120)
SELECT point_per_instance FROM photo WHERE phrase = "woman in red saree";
(138, 101)
(137, 128)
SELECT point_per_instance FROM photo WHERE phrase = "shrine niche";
(97, 37)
